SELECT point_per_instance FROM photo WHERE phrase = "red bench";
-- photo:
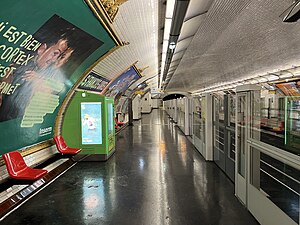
(17, 168)
(63, 148)
(118, 123)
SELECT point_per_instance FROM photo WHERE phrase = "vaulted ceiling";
(221, 41)
(238, 39)
(136, 23)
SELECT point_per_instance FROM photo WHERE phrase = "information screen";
(91, 124)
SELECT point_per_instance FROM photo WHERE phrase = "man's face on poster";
(64, 58)
(50, 55)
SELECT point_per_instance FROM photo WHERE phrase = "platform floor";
(156, 177)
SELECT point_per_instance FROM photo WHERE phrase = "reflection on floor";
(155, 177)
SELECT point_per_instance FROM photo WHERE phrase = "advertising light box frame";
(91, 123)
(72, 126)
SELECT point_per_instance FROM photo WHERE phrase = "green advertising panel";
(89, 124)
(45, 47)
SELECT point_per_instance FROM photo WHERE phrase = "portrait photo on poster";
(54, 52)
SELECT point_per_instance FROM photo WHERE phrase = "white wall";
(155, 103)
(137, 107)
(146, 103)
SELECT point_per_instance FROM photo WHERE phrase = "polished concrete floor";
(156, 177)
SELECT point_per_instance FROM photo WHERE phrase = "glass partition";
(276, 117)
(241, 133)
(219, 123)
(197, 117)
(232, 109)
(180, 113)
(203, 119)
(278, 181)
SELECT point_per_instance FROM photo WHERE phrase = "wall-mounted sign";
(94, 82)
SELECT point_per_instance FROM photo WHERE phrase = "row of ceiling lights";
(175, 14)
(167, 28)
(262, 79)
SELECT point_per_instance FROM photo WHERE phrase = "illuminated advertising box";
(91, 124)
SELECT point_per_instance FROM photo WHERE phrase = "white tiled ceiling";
(194, 17)
(137, 23)
(235, 39)
(238, 39)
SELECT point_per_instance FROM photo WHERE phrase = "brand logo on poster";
(45, 131)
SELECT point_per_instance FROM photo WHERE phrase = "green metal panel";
(72, 124)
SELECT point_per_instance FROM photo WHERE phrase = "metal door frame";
(240, 181)
(225, 162)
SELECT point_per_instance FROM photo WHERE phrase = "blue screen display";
(91, 124)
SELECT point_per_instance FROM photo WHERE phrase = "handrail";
(276, 153)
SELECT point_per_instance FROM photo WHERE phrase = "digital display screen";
(91, 124)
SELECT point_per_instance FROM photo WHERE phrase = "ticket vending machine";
(89, 124)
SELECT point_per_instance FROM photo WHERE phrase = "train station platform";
(155, 177)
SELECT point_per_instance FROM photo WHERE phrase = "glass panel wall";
(232, 109)
(203, 119)
(275, 120)
(197, 117)
(180, 113)
(276, 116)
(278, 181)
(199, 104)
(241, 133)
(219, 129)
(219, 123)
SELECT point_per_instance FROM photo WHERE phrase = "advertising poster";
(124, 108)
(120, 104)
(121, 83)
(44, 50)
(94, 82)
(290, 88)
(91, 124)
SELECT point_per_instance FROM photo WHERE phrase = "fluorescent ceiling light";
(172, 45)
(272, 77)
(170, 8)
(262, 79)
(286, 75)
(167, 28)
(254, 81)
(168, 22)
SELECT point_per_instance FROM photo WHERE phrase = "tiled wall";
(31, 160)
